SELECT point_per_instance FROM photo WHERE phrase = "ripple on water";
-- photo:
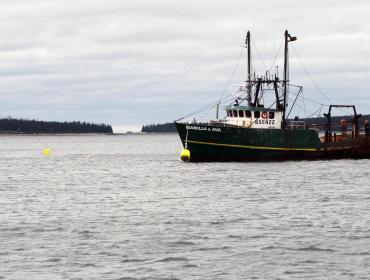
(174, 259)
(314, 249)
(53, 260)
(308, 248)
(133, 260)
(106, 207)
(181, 243)
(213, 248)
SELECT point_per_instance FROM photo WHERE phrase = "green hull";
(220, 143)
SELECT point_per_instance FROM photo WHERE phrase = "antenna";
(249, 84)
(288, 39)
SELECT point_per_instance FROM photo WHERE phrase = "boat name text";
(195, 127)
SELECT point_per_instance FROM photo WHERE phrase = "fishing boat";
(251, 131)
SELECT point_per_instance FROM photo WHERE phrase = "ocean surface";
(126, 207)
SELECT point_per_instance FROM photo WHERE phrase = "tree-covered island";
(24, 126)
(162, 128)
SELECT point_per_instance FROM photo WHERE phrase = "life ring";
(264, 115)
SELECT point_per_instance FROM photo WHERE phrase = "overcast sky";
(130, 63)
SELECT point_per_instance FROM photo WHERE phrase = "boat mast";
(249, 88)
(288, 39)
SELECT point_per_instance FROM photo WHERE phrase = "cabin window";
(248, 114)
(235, 113)
(228, 113)
(271, 115)
(241, 114)
(257, 114)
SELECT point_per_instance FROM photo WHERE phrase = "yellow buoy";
(185, 155)
(47, 152)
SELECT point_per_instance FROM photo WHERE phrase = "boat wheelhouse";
(253, 117)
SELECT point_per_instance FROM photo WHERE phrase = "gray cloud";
(135, 62)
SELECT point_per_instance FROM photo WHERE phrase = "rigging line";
(309, 76)
(277, 54)
(304, 104)
(301, 107)
(317, 114)
(231, 98)
(223, 92)
(291, 85)
(201, 117)
(232, 76)
(318, 111)
(207, 111)
(312, 101)
(259, 55)
(295, 99)
(186, 139)
(209, 106)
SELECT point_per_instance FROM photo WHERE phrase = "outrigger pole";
(288, 39)
(249, 85)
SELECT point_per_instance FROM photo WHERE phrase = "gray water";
(126, 207)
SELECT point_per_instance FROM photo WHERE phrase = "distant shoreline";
(24, 126)
(3, 133)
(159, 128)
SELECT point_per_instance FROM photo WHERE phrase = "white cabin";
(253, 117)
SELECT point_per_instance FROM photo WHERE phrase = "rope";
(302, 108)
(277, 54)
(318, 115)
(291, 108)
(313, 82)
(259, 55)
(304, 104)
(232, 75)
(309, 76)
(186, 138)
(209, 106)
(310, 100)
(313, 101)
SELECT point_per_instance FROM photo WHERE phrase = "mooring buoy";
(185, 155)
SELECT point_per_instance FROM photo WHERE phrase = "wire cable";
(233, 74)
(302, 108)
(210, 106)
(309, 76)
(277, 54)
(259, 55)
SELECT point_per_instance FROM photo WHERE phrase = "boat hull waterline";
(217, 143)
